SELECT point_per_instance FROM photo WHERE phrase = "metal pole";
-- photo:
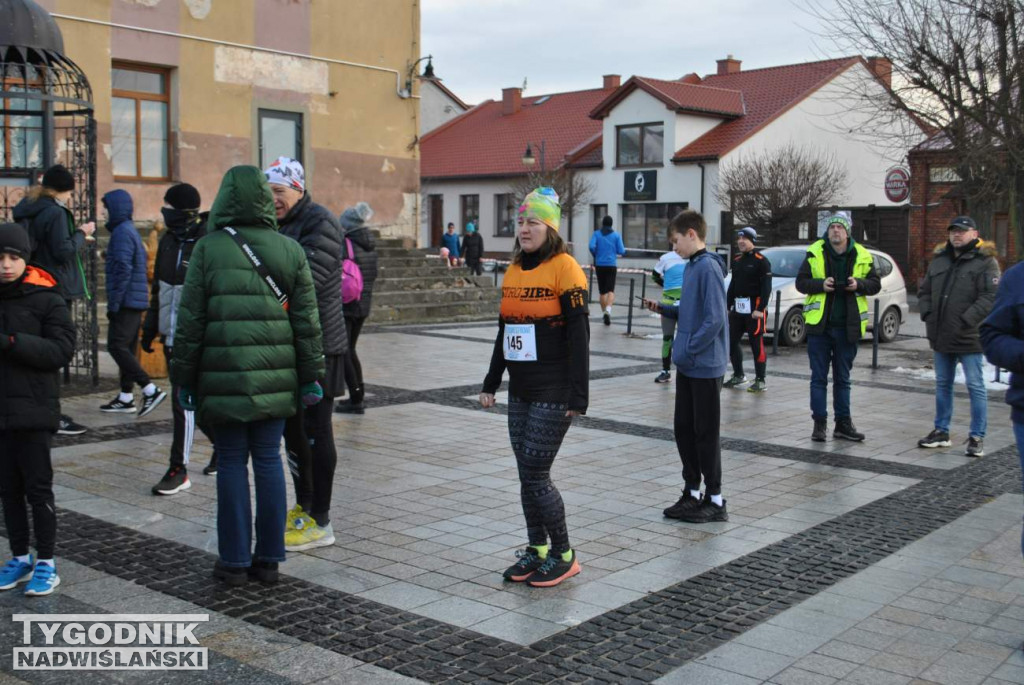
(495, 274)
(643, 287)
(629, 318)
(778, 316)
(998, 371)
(874, 343)
(590, 291)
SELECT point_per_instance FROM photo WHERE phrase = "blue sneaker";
(15, 572)
(44, 581)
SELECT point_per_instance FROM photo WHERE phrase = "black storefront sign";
(641, 186)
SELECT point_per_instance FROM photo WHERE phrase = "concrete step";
(398, 298)
(449, 312)
(433, 283)
(422, 270)
(416, 260)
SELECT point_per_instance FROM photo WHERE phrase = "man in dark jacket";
(127, 298)
(37, 338)
(246, 353)
(353, 222)
(309, 436)
(957, 294)
(837, 276)
(57, 244)
(747, 297)
(472, 249)
(1002, 337)
(184, 225)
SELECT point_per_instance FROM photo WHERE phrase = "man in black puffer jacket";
(309, 437)
(353, 222)
(37, 338)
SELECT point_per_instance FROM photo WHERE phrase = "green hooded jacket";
(235, 347)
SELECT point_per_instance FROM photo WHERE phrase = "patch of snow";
(988, 371)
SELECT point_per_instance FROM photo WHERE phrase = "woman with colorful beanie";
(543, 340)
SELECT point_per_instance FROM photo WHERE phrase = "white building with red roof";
(652, 147)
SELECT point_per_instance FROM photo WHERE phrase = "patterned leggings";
(536, 430)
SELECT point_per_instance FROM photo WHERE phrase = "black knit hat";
(59, 178)
(182, 196)
(607, 221)
(14, 240)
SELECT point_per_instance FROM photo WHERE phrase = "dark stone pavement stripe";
(121, 431)
(640, 641)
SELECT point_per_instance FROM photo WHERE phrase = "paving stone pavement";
(831, 549)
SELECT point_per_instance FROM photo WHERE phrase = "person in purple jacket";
(1002, 339)
(700, 352)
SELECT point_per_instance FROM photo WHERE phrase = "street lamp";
(528, 158)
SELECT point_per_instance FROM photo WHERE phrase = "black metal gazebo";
(46, 117)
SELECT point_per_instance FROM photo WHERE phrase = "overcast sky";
(482, 46)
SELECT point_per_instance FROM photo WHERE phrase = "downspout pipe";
(701, 165)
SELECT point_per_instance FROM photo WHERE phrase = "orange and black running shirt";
(544, 316)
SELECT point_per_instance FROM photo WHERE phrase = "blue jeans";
(830, 349)
(945, 372)
(1018, 432)
(234, 443)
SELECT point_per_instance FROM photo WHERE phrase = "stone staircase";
(412, 288)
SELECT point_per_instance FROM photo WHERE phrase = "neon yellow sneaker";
(309, 537)
(298, 519)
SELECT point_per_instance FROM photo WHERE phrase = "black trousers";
(754, 328)
(475, 267)
(697, 424)
(122, 341)
(26, 481)
(185, 425)
(353, 369)
(312, 457)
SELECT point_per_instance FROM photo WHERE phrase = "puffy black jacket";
(472, 247)
(56, 243)
(320, 236)
(957, 294)
(364, 250)
(37, 339)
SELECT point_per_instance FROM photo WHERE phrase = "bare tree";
(776, 188)
(957, 69)
(574, 191)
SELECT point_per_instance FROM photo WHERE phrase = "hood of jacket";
(714, 256)
(244, 200)
(607, 230)
(982, 247)
(119, 207)
(33, 279)
(28, 209)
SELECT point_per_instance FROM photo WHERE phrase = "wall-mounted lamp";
(428, 72)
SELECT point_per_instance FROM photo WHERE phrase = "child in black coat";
(37, 339)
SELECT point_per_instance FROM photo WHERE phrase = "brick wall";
(930, 213)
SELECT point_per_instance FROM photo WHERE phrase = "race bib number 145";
(520, 343)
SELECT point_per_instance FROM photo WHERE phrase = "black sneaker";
(211, 468)
(554, 570)
(847, 431)
(686, 502)
(707, 512)
(116, 406)
(527, 563)
(232, 575)
(173, 482)
(734, 381)
(264, 571)
(150, 402)
(819, 432)
(936, 438)
(975, 447)
(607, 319)
(69, 427)
(349, 408)
(664, 377)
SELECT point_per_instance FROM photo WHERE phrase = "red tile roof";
(768, 93)
(483, 143)
(679, 96)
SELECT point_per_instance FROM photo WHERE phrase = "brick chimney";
(728, 66)
(882, 68)
(511, 100)
(612, 81)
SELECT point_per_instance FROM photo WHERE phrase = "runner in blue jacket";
(606, 247)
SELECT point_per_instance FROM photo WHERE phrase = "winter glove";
(311, 393)
(186, 400)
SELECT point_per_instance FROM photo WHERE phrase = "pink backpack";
(351, 277)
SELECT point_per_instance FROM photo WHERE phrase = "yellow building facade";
(185, 89)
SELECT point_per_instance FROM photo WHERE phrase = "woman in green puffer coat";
(244, 361)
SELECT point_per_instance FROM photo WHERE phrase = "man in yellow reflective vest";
(837, 276)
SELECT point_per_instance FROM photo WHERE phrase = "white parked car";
(786, 261)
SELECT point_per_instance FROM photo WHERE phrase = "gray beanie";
(354, 217)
